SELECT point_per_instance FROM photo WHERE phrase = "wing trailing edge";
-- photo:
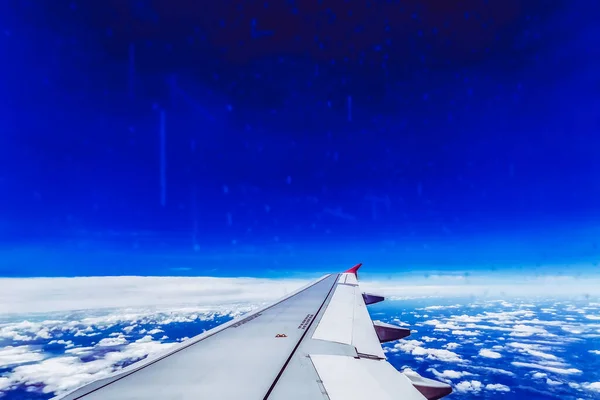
(388, 332)
(371, 298)
(430, 389)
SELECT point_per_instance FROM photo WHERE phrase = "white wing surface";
(316, 343)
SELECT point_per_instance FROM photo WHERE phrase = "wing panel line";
(300, 341)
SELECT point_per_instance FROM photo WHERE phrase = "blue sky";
(464, 145)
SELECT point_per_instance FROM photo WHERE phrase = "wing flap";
(360, 378)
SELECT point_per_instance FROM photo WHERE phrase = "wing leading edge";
(319, 342)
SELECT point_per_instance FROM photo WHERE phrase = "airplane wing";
(318, 343)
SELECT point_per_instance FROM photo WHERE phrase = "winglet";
(354, 270)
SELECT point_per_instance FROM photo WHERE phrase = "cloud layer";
(58, 333)
(28, 295)
(509, 343)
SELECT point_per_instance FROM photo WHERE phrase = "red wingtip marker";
(354, 270)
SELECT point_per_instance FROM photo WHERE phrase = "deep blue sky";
(471, 142)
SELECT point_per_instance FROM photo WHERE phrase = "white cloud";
(410, 372)
(539, 375)
(109, 342)
(414, 347)
(562, 371)
(451, 346)
(14, 331)
(64, 373)
(533, 350)
(469, 386)
(439, 325)
(594, 386)
(497, 387)
(43, 334)
(541, 354)
(145, 339)
(495, 370)
(80, 351)
(19, 355)
(489, 353)
(437, 354)
(460, 332)
(449, 373)
(465, 318)
(596, 352)
(492, 328)
(551, 382)
(129, 329)
(23, 295)
(5, 383)
(571, 329)
(525, 286)
(67, 343)
(527, 330)
(95, 323)
(442, 307)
